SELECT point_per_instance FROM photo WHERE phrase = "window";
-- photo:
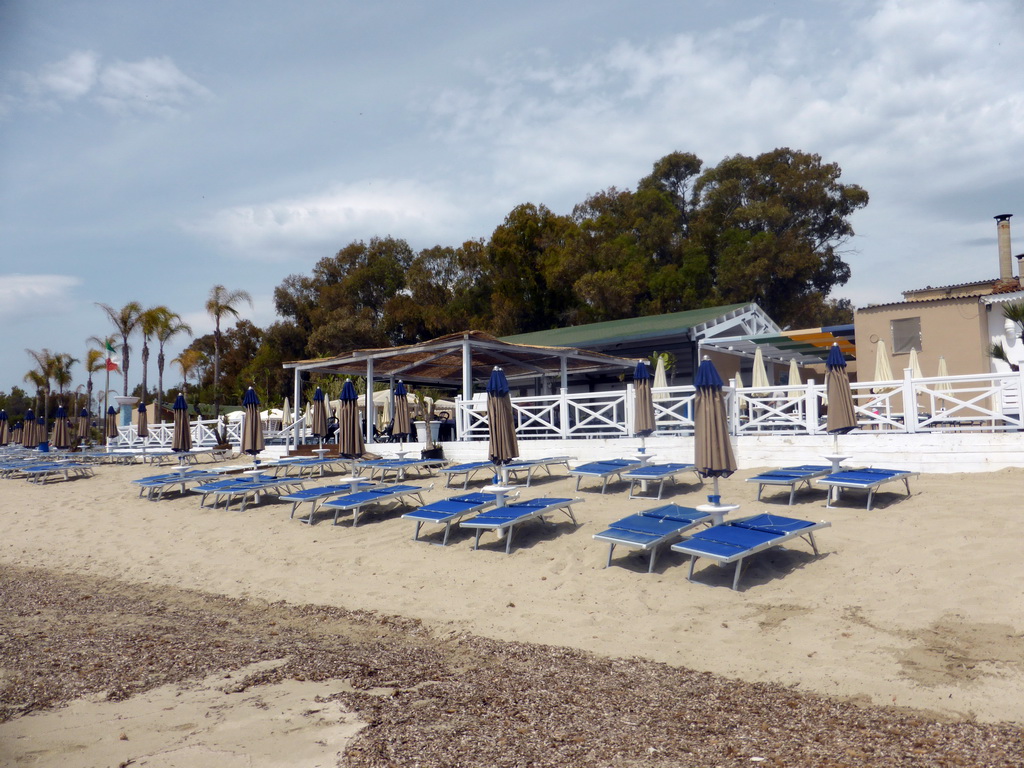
(906, 335)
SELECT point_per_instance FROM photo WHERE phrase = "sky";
(149, 151)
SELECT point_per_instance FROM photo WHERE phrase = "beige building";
(956, 322)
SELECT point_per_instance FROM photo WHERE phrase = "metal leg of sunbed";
(416, 535)
(578, 478)
(447, 530)
(654, 558)
(871, 496)
(814, 546)
(508, 538)
(611, 548)
(693, 562)
(760, 487)
(736, 577)
(476, 542)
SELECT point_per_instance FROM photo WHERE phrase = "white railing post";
(811, 409)
(909, 402)
(563, 412)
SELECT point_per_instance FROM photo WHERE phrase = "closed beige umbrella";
(142, 422)
(660, 380)
(402, 425)
(181, 439)
(83, 426)
(111, 423)
(28, 429)
(643, 405)
(883, 368)
(501, 430)
(713, 454)
(759, 375)
(795, 380)
(61, 433)
(841, 418)
(319, 425)
(5, 431)
(252, 429)
(350, 436)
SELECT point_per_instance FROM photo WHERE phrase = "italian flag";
(112, 362)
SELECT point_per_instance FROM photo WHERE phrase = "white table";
(837, 461)
(499, 491)
(717, 511)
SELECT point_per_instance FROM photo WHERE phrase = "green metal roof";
(618, 331)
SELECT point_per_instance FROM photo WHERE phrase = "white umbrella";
(794, 380)
(915, 365)
(944, 386)
(286, 413)
(660, 380)
(883, 369)
(759, 377)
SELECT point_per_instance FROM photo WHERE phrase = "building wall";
(955, 328)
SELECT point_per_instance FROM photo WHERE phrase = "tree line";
(768, 229)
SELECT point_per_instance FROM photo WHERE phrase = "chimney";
(1003, 232)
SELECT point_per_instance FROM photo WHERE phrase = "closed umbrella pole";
(5, 431)
(794, 380)
(501, 429)
(28, 428)
(643, 405)
(660, 380)
(319, 425)
(350, 436)
(181, 438)
(713, 454)
(142, 421)
(83, 426)
(841, 418)
(402, 426)
(110, 429)
(61, 433)
(252, 430)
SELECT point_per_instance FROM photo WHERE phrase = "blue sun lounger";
(864, 479)
(649, 530)
(243, 487)
(160, 484)
(654, 474)
(468, 470)
(356, 502)
(400, 467)
(448, 511)
(316, 496)
(603, 470)
(41, 473)
(505, 518)
(791, 476)
(735, 541)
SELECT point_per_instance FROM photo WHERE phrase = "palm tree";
(149, 320)
(189, 362)
(61, 371)
(170, 325)
(125, 321)
(1015, 312)
(221, 303)
(95, 361)
(40, 382)
(104, 343)
(44, 362)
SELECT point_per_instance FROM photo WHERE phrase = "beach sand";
(912, 612)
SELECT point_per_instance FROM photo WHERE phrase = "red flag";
(112, 364)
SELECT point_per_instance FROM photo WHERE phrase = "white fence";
(974, 403)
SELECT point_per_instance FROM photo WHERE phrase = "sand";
(914, 604)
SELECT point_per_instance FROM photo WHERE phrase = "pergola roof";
(807, 346)
(440, 360)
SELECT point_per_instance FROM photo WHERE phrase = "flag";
(112, 363)
(110, 347)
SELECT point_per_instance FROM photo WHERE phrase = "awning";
(808, 346)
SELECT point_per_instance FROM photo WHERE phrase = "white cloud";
(153, 86)
(30, 296)
(326, 221)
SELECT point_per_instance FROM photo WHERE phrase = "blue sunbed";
(735, 541)
(604, 470)
(356, 502)
(316, 496)
(468, 469)
(41, 473)
(504, 519)
(791, 476)
(244, 487)
(448, 511)
(400, 467)
(867, 479)
(651, 474)
(649, 530)
(160, 484)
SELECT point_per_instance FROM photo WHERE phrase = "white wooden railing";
(973, 403)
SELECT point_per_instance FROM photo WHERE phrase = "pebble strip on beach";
(449, 701)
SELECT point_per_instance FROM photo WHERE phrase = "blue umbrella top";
(142, 406)
(348, 391)
(250, 397)
(111, 411)
(498, 384)
(318, 396)
(835, 357)
(707, 376)
(3, 415)
(19, 425)
(179, 403)
(41, 421)
(61, 413)
(641, 371)
(29, 416)
(84, 413)
(400, 389)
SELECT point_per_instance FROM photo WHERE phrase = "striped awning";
(807, 346)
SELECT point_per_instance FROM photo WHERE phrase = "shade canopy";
(841, 417)
(501, 429)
